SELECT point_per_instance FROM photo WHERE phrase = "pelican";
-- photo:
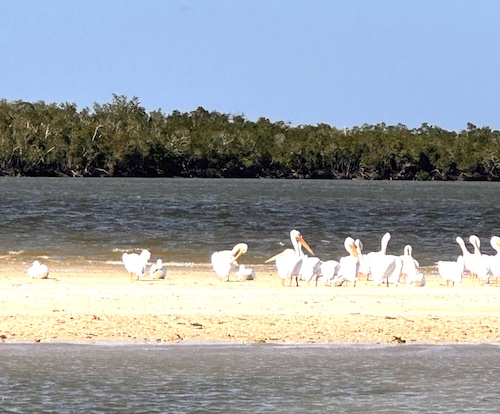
(289, 262)
(480, 262)
(468, 256)
(329, 270)
(495, 260)
(38, 271)
(364, 265)
(157, 271)
(349, 265)
(136, 263)
(244, 273)
(452, 271)
(225, 262)
(383, 267)
(409, 269)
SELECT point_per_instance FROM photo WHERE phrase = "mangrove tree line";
(121, 138)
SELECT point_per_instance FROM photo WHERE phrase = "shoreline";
(99, 303)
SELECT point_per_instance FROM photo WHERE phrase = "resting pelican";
(364, 265)
(136, 263)
(495, 260)
(480, 262)
(38, 271)
(452, 271)
(157, 271)
(289, 262)
(244, 273)
(349, 265)
(225, 262)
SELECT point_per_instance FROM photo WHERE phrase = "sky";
(344, 63)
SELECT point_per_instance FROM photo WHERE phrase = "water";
(185, 220)
(249, 378)
(78, 221)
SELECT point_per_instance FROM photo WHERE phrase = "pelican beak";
(354, 250)
(498, 242)
(240, 252)
(301, 240)
(274, 257)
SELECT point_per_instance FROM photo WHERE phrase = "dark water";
(185, 220)
(249, 378)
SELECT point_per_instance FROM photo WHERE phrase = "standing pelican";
(383, 267)
(467, 256)
(136, 263)
(452, 271)
(225, 262)
(38, 271)
(495, 259)
(480, 262)
(409, 270)
(289, 262)
(157, 271)
(349, 265)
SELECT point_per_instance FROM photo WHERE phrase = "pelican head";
(299, 240)
(238, 250)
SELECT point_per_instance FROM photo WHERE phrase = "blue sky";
(343, 63)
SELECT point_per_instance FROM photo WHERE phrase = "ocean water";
(257, 378)
(82, 220)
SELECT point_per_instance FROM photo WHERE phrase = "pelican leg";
(283, 282)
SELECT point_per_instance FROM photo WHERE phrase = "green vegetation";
(122, 139)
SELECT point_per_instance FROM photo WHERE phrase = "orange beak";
(303, 242)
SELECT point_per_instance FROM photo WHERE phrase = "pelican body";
(452, 271)
(225, 262)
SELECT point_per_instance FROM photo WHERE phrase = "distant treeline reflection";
(122, 139)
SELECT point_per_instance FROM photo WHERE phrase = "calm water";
(249, 378)
(185, 220)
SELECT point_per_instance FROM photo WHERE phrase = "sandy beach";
(101, 303)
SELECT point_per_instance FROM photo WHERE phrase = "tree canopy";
(121, 138)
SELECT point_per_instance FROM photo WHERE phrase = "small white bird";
(157, 271)
(452, 271)
(225, 262)
(38, 271)
(245, 274)
(136, 263)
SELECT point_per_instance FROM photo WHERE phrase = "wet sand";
(100, 303)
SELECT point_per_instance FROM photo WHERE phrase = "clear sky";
(340, 62)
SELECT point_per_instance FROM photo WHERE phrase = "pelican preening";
(136, 263)
(225, 262)
(349, 265)
(289, 262)
(409, 268)
(38, 271)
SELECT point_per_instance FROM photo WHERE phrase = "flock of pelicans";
(294, 264)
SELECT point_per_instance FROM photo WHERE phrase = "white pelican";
(349, 265)
(329, 270)
(383, 267)
(157, 271)
(225, 262)
(364, 265)
(495, 260)
(244, 273)
(289, 262)
(452, 271)
(409, 269)
(136, 263)
(480, 262)
(468, 256)
(310, 270)
(38, 271)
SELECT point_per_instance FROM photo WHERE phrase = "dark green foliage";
(122, 139)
